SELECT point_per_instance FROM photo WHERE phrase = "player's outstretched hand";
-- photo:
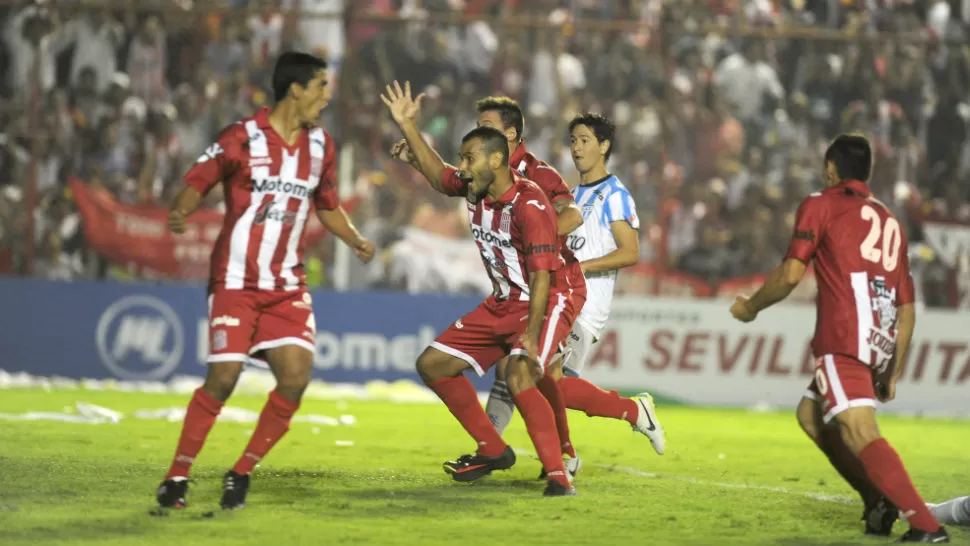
(403, 108)
(176, 222)
(365, 250)
(741, 309)
(402, 152)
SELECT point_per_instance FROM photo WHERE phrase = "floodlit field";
(729, 477)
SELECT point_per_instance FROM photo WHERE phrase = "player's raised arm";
(423, 157)
(809, 223)
(213, 166)
(332, 215)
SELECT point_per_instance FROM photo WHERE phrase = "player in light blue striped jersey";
(607, 241)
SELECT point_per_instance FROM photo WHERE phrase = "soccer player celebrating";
(505, 114)
(530, 311)
(275, 168)
(864, 327)
(606, 241)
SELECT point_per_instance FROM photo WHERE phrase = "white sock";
(952, 512)
(500, 406)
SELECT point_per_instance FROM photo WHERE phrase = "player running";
(864, 327)
(276, 167)
(530, 311)
(505, 114)
(606, 242)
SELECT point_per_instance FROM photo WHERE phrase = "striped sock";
(500, 406)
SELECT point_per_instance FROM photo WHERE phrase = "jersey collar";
(518, 155)
(262, 117)
(855, 186)
(506, 197)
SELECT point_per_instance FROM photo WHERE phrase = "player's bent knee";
(435, 364)
(501, 368)
(555, 371)
(221, 378)
(520, 375)
(806, 413)
(858, 427)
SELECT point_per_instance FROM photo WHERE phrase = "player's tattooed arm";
(404, 110)
(779, 284)
(568, 216)
(186, 202)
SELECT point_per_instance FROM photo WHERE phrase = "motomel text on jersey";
(490, 238)
(274, 184)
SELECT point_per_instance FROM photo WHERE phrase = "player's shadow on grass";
(447, 494)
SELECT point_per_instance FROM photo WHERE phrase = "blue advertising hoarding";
(153, 332)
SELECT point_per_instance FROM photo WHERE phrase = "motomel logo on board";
(356, 351)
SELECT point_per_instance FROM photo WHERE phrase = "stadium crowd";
(719, 136)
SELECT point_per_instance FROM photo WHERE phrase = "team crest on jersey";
(506, 221)
(883, 302)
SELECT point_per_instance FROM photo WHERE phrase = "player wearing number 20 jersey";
(863, 329)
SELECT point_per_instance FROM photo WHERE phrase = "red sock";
(459, 395)
(886, 470)
(273, 423)
(583, 395)
(199, 418)
(541, 424)
(550, 389)
(849, 466)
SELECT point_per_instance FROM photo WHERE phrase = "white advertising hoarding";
(695, 352)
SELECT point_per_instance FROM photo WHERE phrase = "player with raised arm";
(606, 241)
(863, 329)
(530, 311)
(275, 167)
(505, 114)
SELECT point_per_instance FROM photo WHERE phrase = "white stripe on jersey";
(863, 313)
(273, 230)
(601, 204)
(511, 257)
(239, 241)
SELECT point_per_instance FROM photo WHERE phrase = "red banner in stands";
(139, 235)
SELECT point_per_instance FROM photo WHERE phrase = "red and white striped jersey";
(862, 268)
(516, 235)
(270, 189)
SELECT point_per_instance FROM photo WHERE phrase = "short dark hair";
(852, 156)
(294, 67)
(600, 125)
(508, 109)
(493, 139)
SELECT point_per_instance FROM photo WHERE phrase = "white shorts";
(578, 351)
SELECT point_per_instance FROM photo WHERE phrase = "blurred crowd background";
(723, 109)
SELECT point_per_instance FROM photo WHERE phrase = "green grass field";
(729, 477)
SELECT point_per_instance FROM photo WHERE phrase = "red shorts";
(841, 382)
(244, 323)
(492, 330)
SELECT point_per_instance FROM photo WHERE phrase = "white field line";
(821, 497)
